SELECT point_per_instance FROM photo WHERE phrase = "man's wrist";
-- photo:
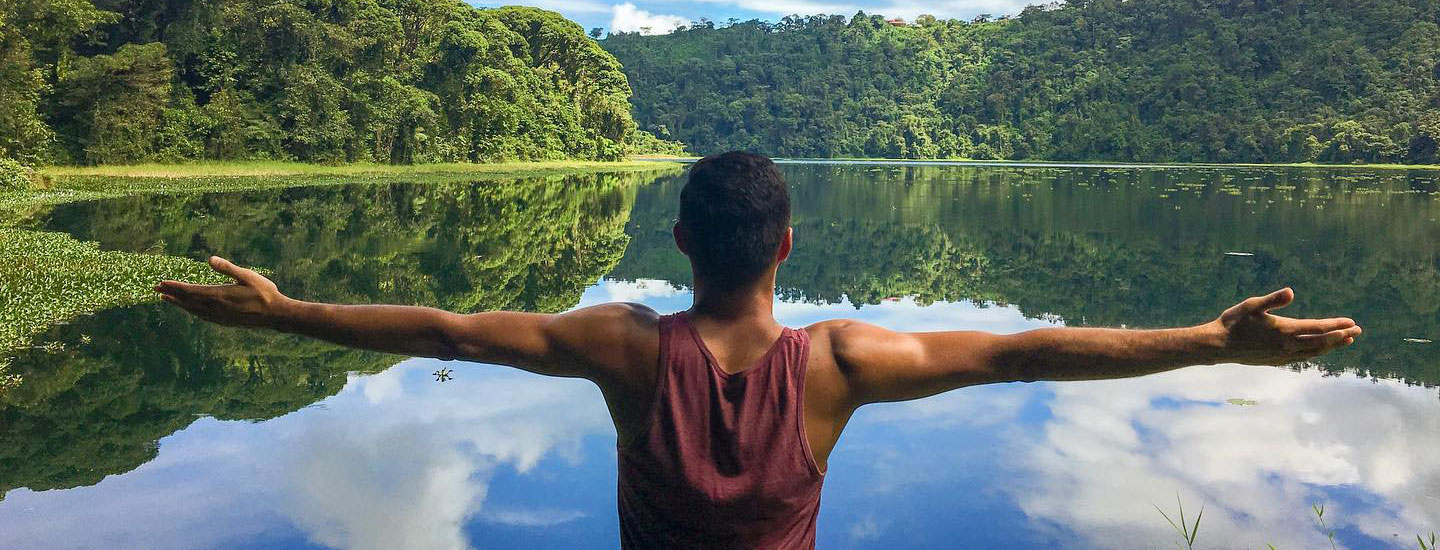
(284, 314)
(1211, 340)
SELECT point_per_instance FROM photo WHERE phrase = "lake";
(141, 428)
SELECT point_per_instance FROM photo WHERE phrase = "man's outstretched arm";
(541, 343)
(882, 365)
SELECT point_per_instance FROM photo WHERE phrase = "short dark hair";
(735, 209)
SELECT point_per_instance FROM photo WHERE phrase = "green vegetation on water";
(49, 278)
(1322, 81)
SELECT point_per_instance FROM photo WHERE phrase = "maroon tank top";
(723, 461)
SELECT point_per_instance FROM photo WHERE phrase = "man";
(725, 419)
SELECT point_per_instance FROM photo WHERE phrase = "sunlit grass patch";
(50, 278)
(253, 169)
(78, 183)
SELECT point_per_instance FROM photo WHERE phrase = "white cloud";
(375, 491)
(390, 475)
(1116, 449)
(628, 18)
(390, 462)
(379, 387)
(543, 517)
(638, 290)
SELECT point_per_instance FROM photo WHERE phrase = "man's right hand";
(252, 301)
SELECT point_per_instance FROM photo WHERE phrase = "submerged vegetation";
(1325, 81)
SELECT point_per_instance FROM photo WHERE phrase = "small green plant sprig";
(1319, 510)
(1186, 530)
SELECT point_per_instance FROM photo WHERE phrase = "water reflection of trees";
(1099, 247)
(1113, 247)
(127, 377)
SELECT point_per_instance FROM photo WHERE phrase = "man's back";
(721, 460)
(638, 368)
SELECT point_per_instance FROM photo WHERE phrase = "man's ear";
(680, 238)
(787, 243)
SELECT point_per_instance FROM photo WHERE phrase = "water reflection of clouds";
(1367, 449)
(397, 460)
(410, 472)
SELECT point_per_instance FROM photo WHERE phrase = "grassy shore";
(291, 169)
(50, 278)
(68, 184)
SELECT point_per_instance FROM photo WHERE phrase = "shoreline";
(208, 169)
(79, 183)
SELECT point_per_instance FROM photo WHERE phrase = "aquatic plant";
(51, 278)
(1319, 510)
(13, 175)
(1186, 530)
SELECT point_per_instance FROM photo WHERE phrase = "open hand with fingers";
(252, 301)
(1253, 336)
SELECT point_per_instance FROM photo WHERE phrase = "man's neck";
(750, 303)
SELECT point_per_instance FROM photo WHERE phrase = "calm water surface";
(149, 430)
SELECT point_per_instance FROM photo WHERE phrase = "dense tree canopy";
(398, 81)
(1137, 80)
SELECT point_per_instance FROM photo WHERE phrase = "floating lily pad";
(1242, 402)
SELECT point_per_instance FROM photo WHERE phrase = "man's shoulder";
(613, 338)
(845, 339)
(625, 312)
(615, 320)
(844, 331)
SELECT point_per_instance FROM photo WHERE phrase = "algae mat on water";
(50, 278)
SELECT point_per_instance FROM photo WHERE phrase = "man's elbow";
(1012, 359)
(442, 339)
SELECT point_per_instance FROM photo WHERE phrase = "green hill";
(392, 81)
(1136, 80)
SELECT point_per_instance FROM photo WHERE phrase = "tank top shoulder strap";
(673, 327)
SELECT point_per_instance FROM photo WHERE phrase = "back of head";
(735, 210)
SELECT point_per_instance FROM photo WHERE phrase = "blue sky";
(661, 16)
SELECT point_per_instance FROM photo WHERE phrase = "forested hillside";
(1134, 80)
(399, 81)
